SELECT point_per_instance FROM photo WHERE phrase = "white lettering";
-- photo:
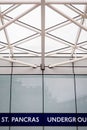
(25, 119)
(61, 119)
(82, 119)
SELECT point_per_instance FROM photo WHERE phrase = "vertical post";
(42, 34)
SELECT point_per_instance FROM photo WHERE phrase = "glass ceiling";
(43, 29)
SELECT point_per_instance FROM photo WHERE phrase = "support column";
(42, 34)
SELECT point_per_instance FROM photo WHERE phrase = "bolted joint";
(42, 67)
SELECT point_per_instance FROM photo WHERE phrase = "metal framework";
(63, 46)
(47, 2)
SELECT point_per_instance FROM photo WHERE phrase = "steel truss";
(44, 32)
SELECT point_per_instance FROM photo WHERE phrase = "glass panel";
(4, 128)
(59, 93)
(81, 85)
(60, 128)
(4, 93)
(82, 128)
(26, 128)
(26, 93)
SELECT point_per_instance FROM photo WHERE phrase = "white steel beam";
(20, 2)
(14, 6)
(47, 1)
(66, 16)
(19, 16)
(78, 33)
(22, 24)
(19, 62)
(66, 1)
(62, 24)
(57, 51)
(68, 61)
(7, 38)
(51, 36)
(26, 51)
(75, 9)
(43, 34)
(25, 39)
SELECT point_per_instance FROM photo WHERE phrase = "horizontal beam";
(19, 62)
(47, 1)
(66, 1)
(19, 1)
(67, 62)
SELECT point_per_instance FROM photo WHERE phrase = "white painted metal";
(10, 9)
(47, 1)
(7, 38)
(27, 39)
(58, 40)
(19, 1)
(66, 1)
(19, 16)
(78, 33)
(66, 16)
(66, 62)
(19, 62)
(62, 25)
(27, 51)
(57, 51)
(23, 25)
(43, 34)
(75, 10)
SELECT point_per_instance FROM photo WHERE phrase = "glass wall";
(81, 93)
(81, 87)
(47, 93)
(59, 94)
(4, 96)
(26, 93)
(26, 96)
(4, 93)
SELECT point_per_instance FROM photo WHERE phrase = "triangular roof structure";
(43, 28)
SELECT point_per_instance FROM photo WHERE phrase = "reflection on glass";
(81, 87)
(60, 128)
(82, 128)
(26, 128)
(4, 128)
(4, 93)
(26, 93)
(59, 93)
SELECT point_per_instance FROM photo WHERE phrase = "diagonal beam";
(19, 16)
(82, 43)
(78, 33)
(75, 9)
(3, 49)
(62, 24)
(22, 24)
(59, 39)
(7, 38)
(68, 61)
(27, 51)
(3, 43)
(50, 53)
(19, 62)
(11, 8)
(26, 39)
(66, 16)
